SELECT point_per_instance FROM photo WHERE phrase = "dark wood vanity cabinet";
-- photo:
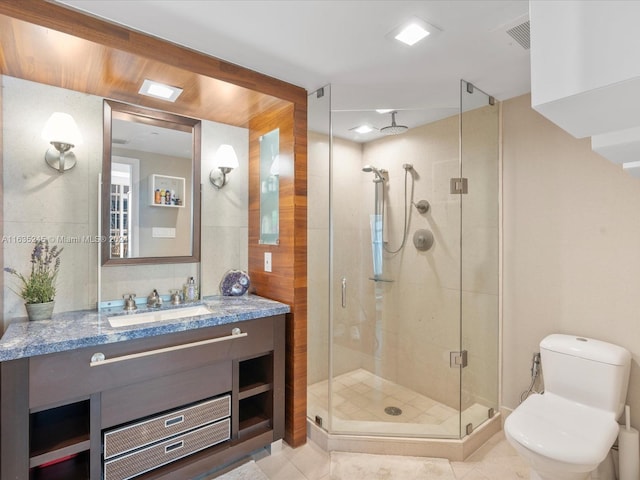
(57, 409)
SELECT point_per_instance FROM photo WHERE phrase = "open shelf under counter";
(58, 433)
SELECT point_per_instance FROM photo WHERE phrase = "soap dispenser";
(190, 291)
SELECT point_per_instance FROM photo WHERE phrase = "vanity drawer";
(64, 376)
(140, 461)
(140, 434)
(123, 405)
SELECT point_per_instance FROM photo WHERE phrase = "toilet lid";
(563, 430)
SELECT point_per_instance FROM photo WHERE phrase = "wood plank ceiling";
(47, 56)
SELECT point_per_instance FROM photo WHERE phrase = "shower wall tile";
(72, 286)
(226, 207)
(318, 305)
(142, 279)
(318, 155)
(480, 339)
(226, 251)
(480, 259)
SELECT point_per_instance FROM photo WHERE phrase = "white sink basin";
(159, 316)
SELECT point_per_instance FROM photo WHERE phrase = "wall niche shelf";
(164, 183)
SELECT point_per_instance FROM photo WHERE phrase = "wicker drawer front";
(131, 437)
(140, 461)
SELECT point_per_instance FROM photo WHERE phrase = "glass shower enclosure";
(403, 272)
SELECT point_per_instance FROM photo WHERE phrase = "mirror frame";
(161, 119)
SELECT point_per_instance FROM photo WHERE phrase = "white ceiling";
(345, 43)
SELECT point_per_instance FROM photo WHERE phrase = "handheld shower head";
(394, 129)
(378, 173)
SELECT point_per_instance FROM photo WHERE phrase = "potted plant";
(38, 290)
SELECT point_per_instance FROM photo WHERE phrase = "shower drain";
(395, 411)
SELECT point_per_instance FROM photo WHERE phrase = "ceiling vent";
(521, 34)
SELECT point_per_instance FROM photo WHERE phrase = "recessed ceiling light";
(384, 110)
(159, 90)
(627, 165)
(363, 129)
(411, 34)
(412, 31)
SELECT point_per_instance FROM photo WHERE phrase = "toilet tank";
(587, 371)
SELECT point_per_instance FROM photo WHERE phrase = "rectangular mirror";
(270, 187)
(150, 186)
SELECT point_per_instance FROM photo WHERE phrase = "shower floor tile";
(360, 398)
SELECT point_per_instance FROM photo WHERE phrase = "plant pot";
(40, 311)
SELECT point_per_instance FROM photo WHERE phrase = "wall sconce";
(62, 132)
(225, 160)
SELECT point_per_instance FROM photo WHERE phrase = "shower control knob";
(422, 206)
(423, 240)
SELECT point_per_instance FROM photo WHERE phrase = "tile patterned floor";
(360, 398)
(495, 460)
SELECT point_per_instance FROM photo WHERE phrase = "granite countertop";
(86, 328)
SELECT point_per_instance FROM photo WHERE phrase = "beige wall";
(38, 201)
(571, 246)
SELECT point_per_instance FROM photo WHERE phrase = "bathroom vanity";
(163, 400)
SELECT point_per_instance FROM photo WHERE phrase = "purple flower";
(40, 285)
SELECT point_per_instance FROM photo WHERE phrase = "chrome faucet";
(154, 300)
(130, 303)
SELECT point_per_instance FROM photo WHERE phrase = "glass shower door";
(395, 309)
(318, 172)
(479, 124)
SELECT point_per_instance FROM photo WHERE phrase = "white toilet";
(565, 433)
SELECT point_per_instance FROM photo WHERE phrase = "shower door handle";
(344, 293)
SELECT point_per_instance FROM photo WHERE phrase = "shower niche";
(411, 271)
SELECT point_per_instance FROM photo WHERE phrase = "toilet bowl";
(565, 433)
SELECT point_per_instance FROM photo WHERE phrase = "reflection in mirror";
(151, 186)
(270, 187)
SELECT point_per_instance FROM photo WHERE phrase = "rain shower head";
(378, 173)
(394, 129)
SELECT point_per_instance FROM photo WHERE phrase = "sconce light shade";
(226, 157)
(224, 160)
(62, 132)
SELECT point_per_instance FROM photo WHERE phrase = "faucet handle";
(175, 297)
(130, 302)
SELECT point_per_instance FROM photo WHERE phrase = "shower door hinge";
(459, 185)
(458, 359)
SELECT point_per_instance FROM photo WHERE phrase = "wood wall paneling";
(1, 203)
(288, 278)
